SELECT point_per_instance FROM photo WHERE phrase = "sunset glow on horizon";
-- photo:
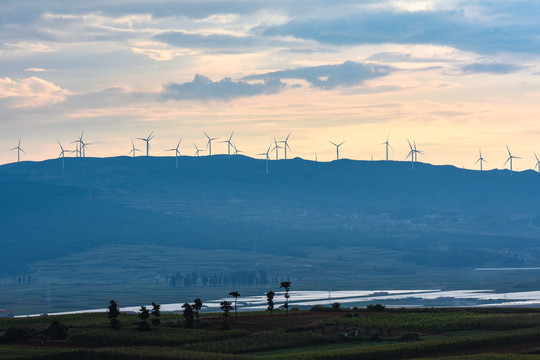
(454, 77)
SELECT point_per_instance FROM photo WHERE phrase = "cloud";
(35, 70)
(203, 88)
(330, 76)
(494, 68)
(449, 27)
(31, 92)
(187, 40)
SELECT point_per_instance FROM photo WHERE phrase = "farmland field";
(319, 333)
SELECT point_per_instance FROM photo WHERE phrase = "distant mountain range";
(221, 202)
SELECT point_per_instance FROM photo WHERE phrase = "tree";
(188, 315)
(235, 294)
(286, 285)
(270, 301)
(144, 314)
(226, 307)
(197, 305)
(113, 313)
(156, 312)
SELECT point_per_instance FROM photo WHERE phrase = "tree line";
(235, 278)
(191, 311)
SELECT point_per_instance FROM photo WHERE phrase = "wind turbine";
(229, 144)
(133, 149)
(276, 147)
(510, 157)
(79, 146)
(537, 163)
(413, 153)
(197, 150)
(62, 154)
(480, 159)
(286, 145)
(209, 143)
(387, 146)
(337, 148)
(236, 151)
(266, 154)
(147, 140)
(176, 151)
(19, 149)
(76, 151)
(83, 146)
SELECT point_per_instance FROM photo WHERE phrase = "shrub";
(375, 307)
(56, 331)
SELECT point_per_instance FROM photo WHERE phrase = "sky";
(450, 76)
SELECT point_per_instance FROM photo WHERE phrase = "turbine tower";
(62, 154)
(209, 143)
(133, 149)
(286, 145)
(337, 148)
(197, 150)
(176, 151)
(19, 149)
(267, 155)
(387, 146)
(147, 140)
(510, 157)
(480, 159)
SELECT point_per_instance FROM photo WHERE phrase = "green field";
(346, 334)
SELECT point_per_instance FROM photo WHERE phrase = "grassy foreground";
(317, 334)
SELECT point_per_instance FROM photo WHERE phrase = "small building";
(6, 313)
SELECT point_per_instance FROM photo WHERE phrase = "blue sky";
(454, 76)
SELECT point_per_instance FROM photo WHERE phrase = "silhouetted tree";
(113, 313)
(188, 315)
(144, 314)
(286, 285)
(156, 312)
(197, 305)
(270, 301)
(226, 307)
(235, 294)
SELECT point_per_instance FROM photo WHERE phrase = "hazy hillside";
(220, 202)
(130, 227)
